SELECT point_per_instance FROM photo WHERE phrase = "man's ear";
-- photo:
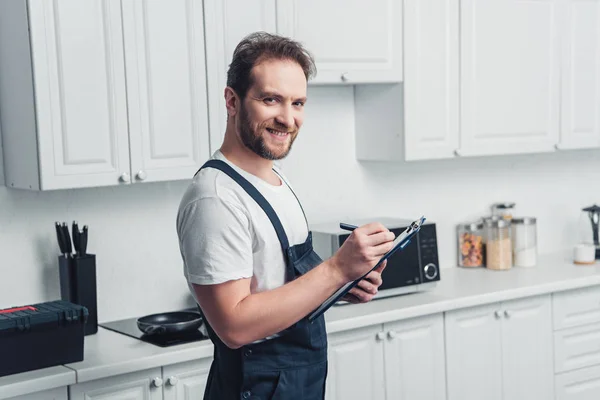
(232, 101)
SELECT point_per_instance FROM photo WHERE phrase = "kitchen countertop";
(108, 353)
(35, 381)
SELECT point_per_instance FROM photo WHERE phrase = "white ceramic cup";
(585, 253)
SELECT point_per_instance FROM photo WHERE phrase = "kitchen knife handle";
(67, 239)
(83, 240)
(76, 240)
(59, 238)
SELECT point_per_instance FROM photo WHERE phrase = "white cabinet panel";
(527, 349)
(168, 121)
(431, 85)
(474, 353)
(583, 384)
(186, 381)
(353, 41)
(577, 347)
(356, 365)
(509, 76)
(80, 99)
(576, 307)
(143, 385)
(414, 359)
(226, 23)
(580, 58)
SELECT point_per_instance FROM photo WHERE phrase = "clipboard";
(399, 243)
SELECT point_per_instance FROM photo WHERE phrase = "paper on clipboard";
(399, 243)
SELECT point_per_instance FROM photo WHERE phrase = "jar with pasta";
(471, 248)
(498, 250)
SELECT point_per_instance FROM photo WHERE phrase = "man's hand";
(367, 288)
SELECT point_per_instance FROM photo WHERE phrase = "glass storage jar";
(524, 241)
(470, 245)
(498, 247)
(504, 210)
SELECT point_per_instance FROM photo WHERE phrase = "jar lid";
(503, 205)
(524, 220)
(472, 226)
(496, 222)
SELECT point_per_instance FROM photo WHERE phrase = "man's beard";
(254, 141)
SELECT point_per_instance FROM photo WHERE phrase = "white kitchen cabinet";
(500, 351)
(352, 41)
(51, 394)
(142, 385)
(76, 113)
(431, 79)
(62, 94)
(415, 359)
(580, 74)
(401, 360)
(356, 365)
(474, 353)
(581, 384)
(166, 88)
(186, 381)
(510, 76)
(227, 22)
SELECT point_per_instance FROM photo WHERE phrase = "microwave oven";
(411, 269)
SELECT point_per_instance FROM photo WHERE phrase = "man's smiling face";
(272, 112)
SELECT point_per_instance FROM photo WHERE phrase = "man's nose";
(286, 117)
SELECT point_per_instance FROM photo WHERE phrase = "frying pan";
(170, 323)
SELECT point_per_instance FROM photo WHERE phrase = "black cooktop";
(129, 327)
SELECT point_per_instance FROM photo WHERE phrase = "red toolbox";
(41, 335)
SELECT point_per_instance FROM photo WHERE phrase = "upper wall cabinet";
(509, 78)
(352, 41)
(77, 113)
(487, 77)
(580, 74)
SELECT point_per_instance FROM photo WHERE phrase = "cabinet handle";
(157, 382)
(124, 177)
(344, 77)
(457, 153)
(141, 175)
(172, 381)
(391, 334)
(380, 336)
(498, 314)
(507, 313)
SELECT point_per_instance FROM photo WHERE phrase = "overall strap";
(294, 193)
(255, 194)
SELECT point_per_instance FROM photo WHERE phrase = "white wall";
(132, 229)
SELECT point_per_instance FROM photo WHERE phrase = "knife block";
(78, 285)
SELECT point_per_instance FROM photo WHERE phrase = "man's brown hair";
(262, 46)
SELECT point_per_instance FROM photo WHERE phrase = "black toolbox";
(41, 335)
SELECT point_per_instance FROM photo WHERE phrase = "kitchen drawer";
(576, 307)
(583, 384)
(577, 348)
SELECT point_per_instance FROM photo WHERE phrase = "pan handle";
(155, 329)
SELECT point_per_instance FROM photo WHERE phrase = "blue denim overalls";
(290, 366)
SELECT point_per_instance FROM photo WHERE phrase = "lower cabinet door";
(356, 370)
(474, 353)
(527, 349)
(582, 384)
(415, 359)
(51, 394)
(186, 381)
(142, 385)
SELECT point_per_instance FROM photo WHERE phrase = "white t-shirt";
(225, 235)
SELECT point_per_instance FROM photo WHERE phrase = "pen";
(347, 227)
